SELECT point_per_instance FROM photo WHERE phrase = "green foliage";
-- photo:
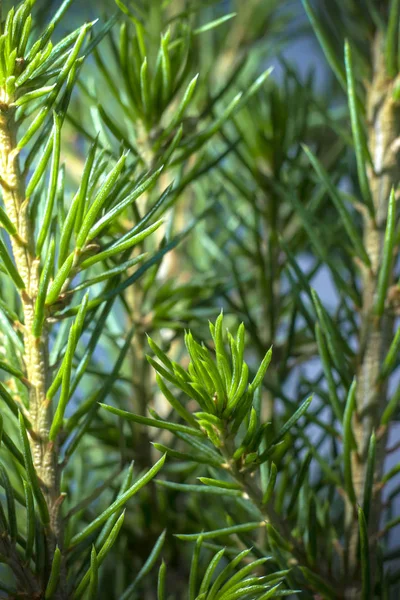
(154, 171)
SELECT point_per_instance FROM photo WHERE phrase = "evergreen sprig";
(152, 171)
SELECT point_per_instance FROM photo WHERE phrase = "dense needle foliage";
(199, 301)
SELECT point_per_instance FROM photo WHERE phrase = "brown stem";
(376, 333)
(44, 452)
(254, 494)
